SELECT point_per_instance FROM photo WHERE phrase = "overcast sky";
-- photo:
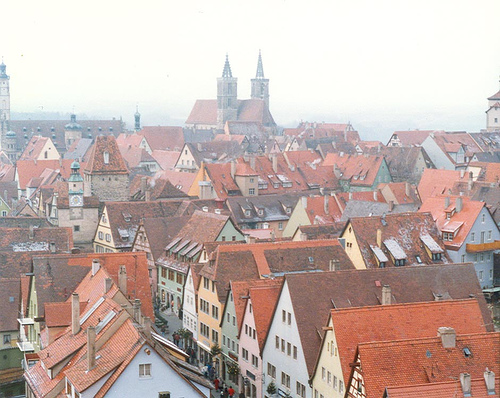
(383, 65)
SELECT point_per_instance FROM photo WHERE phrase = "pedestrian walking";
(230, 390)
(225, 393)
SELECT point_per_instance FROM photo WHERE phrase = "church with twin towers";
(209, 114)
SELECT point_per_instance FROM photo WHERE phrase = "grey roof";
(361, 208)
(80, 150)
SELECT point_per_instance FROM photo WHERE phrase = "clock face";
(76, 200)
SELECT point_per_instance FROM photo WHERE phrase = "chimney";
(489, 379)
(144, 184)
(122, 279)
(407, 189)
(462, 173)
(448, 336)
(233, 168)
(386, 295)
(32, 232)
(252, 162)
(75, 313)
(391, 205)
(466, 385)
(205, 209)
(250, 239)
(304, 201)
(470, 181)
(90, 348)
(350, 195)
(147, 326)
(375, 195)
(325, 204)
(379, 237)
(459, 204)
(52, 246)
(137, 310)
(446, 202)
(95, 266)
(275, 163)
(108, 282)
(199, 146)
(147, 194)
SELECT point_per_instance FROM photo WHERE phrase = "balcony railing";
(482, 247)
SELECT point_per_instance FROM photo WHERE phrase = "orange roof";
(166, 159)
(34, 148)
(59, 314)
(492, 173)
(462, 220)
(424, 360)
(401, 321)
(439, 182)
(316, 206)
(203, 112)
(166, 138)
(27, 169)
(97, 163)
(359, 169)
(412, 137)
(126, 140)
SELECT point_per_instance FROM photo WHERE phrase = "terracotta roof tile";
(27, 169)
(412, 137)
(34, 147)
(19, 239)
(439, 182)
(401, 321)
(166, 159)
(357, 288)
(10, 302)
(165, 138)
(360, 170)
(97, 164)
(424, 360)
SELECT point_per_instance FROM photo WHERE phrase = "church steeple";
(137, 117)
(260, 85)
(4, 103)
(227, 96)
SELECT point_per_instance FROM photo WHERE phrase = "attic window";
(247, 213)
(311, 260)
(467, 352)
(436, 256)
(111, 129)
(419, 260)
(288, 210)
(88, 128)
(261, 212)
(106, 157)
(127, 217)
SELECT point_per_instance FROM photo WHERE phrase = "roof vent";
(205, 209)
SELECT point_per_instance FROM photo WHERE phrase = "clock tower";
(75, 186)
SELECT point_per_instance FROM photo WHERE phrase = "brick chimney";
(233, 168)
(466, 385)
(137, 310)
(489, 379)
(90, 348)
(95, 266)
(407, 189)
(122, 279)
(448, 337)
(275, 162)
(304, 201)
(386, 295)
(108, 282)
(252, 162)
(446, 202)
(75, 313)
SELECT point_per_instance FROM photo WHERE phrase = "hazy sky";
(383, 65)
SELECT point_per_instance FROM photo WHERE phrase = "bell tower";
(4, 102)
(137, 119)
(227, 96)
(260, 85)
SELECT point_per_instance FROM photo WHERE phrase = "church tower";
(137, 117)
(4, 103)
(260, 85)
(227, 96)
(493, 113)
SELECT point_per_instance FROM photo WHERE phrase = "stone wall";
(113, 187)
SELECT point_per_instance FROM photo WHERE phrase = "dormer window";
(247, 213)
(106, 157)
(400, 262)
(261, 212)
(288, 210)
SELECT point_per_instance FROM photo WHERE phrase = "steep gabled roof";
(97, 164)
(166, 138)
(425, 360)
(401, 321)
(412, 137)
(439, 182)
(27, 169)
(34, 147)
(21, 240)
(357, 288)
(359, 170)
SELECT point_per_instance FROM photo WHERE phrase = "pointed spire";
(227, 68)
(260, 68)
(3, 70)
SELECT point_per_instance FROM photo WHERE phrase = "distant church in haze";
(213, 114)
(493, 113)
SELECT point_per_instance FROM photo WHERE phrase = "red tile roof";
(424, 360)
(401, 321)
(166, 159)
(34, 148)
(19, 239)
(462, 220)
(166, 138)
(203, 112)
(10, 301)
(412, 137)
(360, 170)
(27, 169)
(96, 163)
(439, 182)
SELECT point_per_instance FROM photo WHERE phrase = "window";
(436, 256)
(144, 370)
(341, 386)
(100, 235)
(215, 312)
(463, 258)
(4, 213)
(280, 225)
(244, 354)
(6, 338)
(171, 275)
(399, 263)
(481, 276)
(483, 218)
(224, 340)
(283, 316)
(277, 343)
(301, 390)
(289, 319)
(204, 306)
(282, 345)
(329, 377)
(228, 317)
(288, 349)
(271, 370)
(472, 236)
(164, 394)
(108, 237)
(180, 278)
(251, 191)
(448, 236)
(204, 330)
(106, 157)
(206, 283)
(234, 321)
(251, 180)
(323, 374)
(285, 379)
(215, 336)
(255, 361)
(294, 352)
(335, 382)
(489, 235)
